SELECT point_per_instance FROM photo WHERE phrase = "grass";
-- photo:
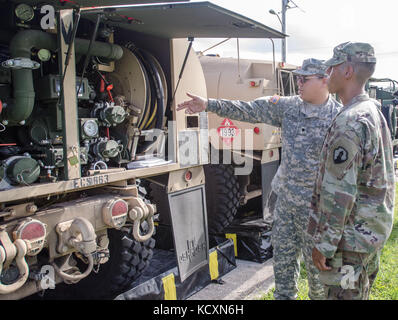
(385, 286)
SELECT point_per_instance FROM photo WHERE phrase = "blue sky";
(316, 28)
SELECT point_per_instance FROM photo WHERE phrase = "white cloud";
(314, 32)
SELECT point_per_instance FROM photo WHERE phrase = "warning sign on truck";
(227, 131)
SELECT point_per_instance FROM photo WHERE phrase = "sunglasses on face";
(303, 79)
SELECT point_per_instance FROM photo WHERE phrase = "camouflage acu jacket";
(354, 193)
(303, 126)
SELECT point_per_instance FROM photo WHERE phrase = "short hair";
(363, 71)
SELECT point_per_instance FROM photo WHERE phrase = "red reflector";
(32, 230)
(256, 130)
(271, 153)
(120, 207)
(252, 83)
(188, 175)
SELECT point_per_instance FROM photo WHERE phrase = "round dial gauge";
(24, 12)
(44, 55)
(90, 128)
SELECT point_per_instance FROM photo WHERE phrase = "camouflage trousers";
(352, 275)
(291, 243)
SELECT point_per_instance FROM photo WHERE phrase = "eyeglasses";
(303, 79)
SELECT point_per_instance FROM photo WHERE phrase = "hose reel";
(139, 78)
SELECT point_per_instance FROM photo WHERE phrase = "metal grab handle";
(75, 277)
(23, 267)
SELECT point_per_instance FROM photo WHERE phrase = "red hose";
(102, 85)
(109, 88)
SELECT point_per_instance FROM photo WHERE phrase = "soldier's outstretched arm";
(338, 190)
(266, 109)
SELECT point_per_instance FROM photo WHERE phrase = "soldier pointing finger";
(304, 120)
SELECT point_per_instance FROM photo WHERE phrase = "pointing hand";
(195, 105)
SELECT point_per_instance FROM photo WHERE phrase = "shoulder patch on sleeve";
(341, 154)
(274, 99)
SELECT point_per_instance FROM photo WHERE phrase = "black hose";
(149, 79)
(152, 85)
(68, 53)
(158, 86)
(133, 50)
(89, 51)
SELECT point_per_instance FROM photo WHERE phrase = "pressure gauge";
(24, 12)
(44, 55)
(90, 128)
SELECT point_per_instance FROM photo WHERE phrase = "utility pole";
(284, 9)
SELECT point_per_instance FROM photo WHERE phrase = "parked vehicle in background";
(244, 156)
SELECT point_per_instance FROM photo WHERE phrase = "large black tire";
(128, 260)
(222, 196)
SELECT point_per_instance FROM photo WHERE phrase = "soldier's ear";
(348, 71)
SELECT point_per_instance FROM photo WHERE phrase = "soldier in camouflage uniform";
(304, 120)
(354, 192)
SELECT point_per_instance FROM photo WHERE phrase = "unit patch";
(340, 155)
(274, 99)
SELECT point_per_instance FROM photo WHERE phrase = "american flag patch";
(274, 99)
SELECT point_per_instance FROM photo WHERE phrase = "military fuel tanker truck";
(87, 125)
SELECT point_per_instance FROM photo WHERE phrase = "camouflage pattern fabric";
(353, 200)
(289, 242)
(303, 130)
(352, 51)
(311, 67)
(352, 275)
